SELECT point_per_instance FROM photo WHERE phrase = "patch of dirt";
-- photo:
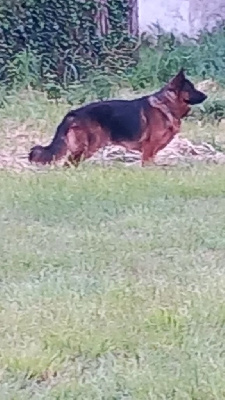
(179, 150)
(13, 156)
(208, 84)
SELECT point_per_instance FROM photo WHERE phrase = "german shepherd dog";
(146, 124)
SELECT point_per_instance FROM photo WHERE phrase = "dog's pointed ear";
(178, 80)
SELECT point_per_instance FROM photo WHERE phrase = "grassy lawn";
(112, 284)
(111, 278)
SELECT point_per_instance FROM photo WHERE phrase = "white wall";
(172, 15)
(205, 14)
(181, 16)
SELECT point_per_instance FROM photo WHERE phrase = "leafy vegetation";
(162, 54)
(58, 41)
(41, 48)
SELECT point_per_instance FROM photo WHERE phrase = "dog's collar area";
(156, 103)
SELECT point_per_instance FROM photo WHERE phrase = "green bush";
(54, 45)
(57, 41)
(162, 54)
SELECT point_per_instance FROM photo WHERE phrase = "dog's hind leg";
(73, 160)
(83, 140)
(77, 143)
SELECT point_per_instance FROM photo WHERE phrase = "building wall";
(205, 14)
(181, 16)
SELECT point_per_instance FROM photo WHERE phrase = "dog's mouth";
(196, 100)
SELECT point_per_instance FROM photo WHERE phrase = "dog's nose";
(204, 97)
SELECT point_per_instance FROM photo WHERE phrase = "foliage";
(55, 46)
(46, 41)
(162, 54)
(212, 111)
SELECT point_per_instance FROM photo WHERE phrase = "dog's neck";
(173, 122)
(170, 105)
(164, 109)
(179, 111)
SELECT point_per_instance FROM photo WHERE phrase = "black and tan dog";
(146, 124)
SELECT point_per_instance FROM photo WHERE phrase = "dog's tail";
(57, 148)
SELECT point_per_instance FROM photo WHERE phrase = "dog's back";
(120, 118)
(147, 124)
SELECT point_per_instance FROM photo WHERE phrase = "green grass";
(111, 279)
(114, 279)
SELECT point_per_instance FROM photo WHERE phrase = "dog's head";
(186, 90)
(180, 93)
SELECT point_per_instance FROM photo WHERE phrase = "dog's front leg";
(147, 154)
